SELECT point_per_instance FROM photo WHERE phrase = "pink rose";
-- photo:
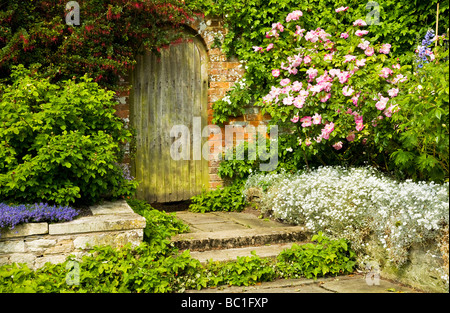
(347, 91)
(328, 57)
(285, 82)
(359, 23)
(361, 33)
(317, 119)
(386, 48)
(297, 86)
(341, 9)
(269, 47)
(295, 119)
(344, 35)
(381, 104)
(369, 51)
(338, 146)
(307, 59)
(306, 121)
(349, 58)
(385, 72)
(364, 44)
(351, 137)
(276, 73)
(393, 92)
(361, 62)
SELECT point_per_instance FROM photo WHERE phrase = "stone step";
(224, 255)
(230, 230)
(237, 238)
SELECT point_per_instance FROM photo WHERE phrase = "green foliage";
(232, 105)
(59, 142)
(227, 199)
(333, 257)
(160, 225)
(154, 269)
(245, 271)
(424, 124)
(105, 45)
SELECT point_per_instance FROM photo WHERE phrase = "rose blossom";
(317, 119)
(361, 62)
(386, 48)
(369, 51)
(338, 145)
(341, 9)
(306, 121)
(393, 92)
(347, 91)
(359, 23)
(285, 82)
(276, 73)
(361, 33)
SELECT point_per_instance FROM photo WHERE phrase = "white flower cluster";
(358, 204)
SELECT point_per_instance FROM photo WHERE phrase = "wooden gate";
(168, 91)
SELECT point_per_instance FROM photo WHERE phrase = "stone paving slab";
(341, 284)
(266, 251)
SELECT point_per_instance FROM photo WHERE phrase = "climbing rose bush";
(331, 88)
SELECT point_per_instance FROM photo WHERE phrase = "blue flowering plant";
(424, 53)
(12, 215)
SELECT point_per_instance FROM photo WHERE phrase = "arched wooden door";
(168, 91)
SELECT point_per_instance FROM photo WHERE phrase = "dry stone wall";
(112, 223)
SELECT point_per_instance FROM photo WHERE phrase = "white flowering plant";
(358, 204)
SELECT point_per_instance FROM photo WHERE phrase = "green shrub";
(59, 142)
(227, 199)
(160, 225)
(424, 124)
(332, 257)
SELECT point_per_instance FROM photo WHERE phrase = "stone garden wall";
(113, 224)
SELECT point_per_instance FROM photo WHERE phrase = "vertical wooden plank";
(197, 113)
(172, 114)
(185, 117)
(145, 125)
(150, 152)
(179, 113)
(140, 135)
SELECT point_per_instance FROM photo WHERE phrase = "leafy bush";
(12, 215)
(160, 225)
(227, 199)
(59, 143)
(310, 260)
(424, 122)
(245, 271)
(104, 46)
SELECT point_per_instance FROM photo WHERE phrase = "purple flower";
(12, 215)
